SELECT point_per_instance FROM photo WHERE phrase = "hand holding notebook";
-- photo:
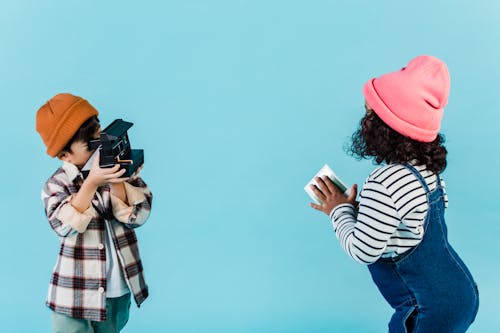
(328, 190)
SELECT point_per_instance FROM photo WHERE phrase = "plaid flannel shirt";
(78, 284)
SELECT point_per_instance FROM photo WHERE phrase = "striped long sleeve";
(390, 217)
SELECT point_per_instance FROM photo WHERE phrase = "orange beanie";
(60, 118)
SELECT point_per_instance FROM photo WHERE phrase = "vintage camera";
(113, 148)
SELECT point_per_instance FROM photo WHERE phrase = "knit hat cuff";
(68, 125)
(392, 120)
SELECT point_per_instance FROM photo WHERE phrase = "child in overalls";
(398, 228)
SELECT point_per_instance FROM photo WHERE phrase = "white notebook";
(326, 170)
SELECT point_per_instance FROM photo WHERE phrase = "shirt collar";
(71, 170)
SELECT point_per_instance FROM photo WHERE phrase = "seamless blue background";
(237, 104)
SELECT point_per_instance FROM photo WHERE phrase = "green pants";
(117, 310)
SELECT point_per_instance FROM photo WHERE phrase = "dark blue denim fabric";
(429, 286)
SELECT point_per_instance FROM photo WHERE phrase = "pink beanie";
(411, 100)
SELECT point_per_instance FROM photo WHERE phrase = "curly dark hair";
(375, 139)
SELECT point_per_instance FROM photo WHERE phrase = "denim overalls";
(429, 286)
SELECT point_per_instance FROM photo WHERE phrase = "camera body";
(113, 148)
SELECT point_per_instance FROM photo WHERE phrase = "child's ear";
(63, 156)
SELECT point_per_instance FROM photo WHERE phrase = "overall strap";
(427, 191)
(438, 178)
(419, 177)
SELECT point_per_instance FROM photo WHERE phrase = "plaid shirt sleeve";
(136, 211)
(63, 218)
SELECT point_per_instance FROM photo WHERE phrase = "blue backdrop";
(237, 104)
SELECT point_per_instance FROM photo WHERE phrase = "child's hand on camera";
(331, 196)
(99, 176)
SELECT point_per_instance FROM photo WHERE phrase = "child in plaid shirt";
(99, 266)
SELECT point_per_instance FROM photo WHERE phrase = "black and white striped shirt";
(390, 217)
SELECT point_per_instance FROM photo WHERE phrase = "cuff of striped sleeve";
(339, 211)
(69, 215)
(122, 210)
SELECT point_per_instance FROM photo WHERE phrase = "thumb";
(95, 162)
(353, 193)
